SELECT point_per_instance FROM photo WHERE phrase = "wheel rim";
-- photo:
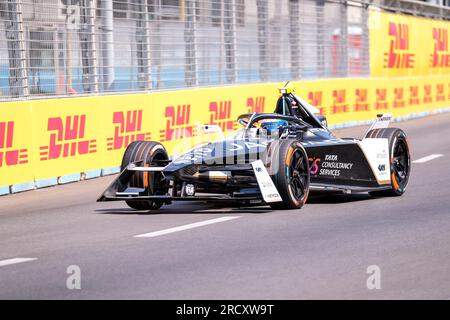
(401, 163)
(297, 173)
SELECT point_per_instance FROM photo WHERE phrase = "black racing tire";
(148, 152)
(287, 164)
(400, 160)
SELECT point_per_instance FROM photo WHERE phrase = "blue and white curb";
(4, 190)
(20, 187)
(74, 177)
(111, 170)
(91, 174)
(44, 183)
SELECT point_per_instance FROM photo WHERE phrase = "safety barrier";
(408, 46)
(45, 142)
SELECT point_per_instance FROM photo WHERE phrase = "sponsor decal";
(220, 114)
(427, 98)
(399, 101)
(339, 105)
(440, 58)
(314, 165)
(329, 167)
(440, 94)
(361, 103)
(255, 104)
(10, 155)
(178, 124)
(414, 95)
(381, 98)
(382, 155)
(67, 138)
(448, 92)
(382, 167)
(266, 186)
(315, 99)
(127, 128)
(399, 55)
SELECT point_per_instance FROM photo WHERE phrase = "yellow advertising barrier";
(407, 46)
(41, 139)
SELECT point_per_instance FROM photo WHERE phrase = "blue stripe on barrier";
(111, 170)
(92, 174)
(22, 187)
(4, 190)
(46, 182)
(69, 178)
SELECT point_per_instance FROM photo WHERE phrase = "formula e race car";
(275, 159)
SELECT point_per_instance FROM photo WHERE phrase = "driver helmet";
(273, 126)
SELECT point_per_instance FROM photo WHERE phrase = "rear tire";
(148, 152)
(288, 166)
(399, 158)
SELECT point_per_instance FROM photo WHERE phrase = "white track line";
(428, 158)
(184, 227)
(7, 262)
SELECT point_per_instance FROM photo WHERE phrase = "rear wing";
(382, 122)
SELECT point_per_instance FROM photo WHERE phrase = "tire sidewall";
(278, 158)
(395, 137)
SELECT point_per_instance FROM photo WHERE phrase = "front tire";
(149, 152)
(288, 167)
(400, 160)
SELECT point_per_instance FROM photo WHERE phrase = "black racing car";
(276, 158)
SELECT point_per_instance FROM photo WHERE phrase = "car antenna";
(284, 101)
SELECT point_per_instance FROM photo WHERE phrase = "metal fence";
(75, 47)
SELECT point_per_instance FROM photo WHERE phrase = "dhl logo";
(427, 97)
(177, 123)
(127, 128)
(440, 58)
(315, 99)
(255, 104)
(361, 103)
(67, 138)
(381, 98)
(414, 95)
(399, 100)
(398, 56)
(220, 114)
(10, 156)
(339, 105)
(440, 94)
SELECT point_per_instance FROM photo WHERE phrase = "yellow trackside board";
(41, 139)
(403, 45)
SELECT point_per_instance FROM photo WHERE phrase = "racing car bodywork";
(276, 158)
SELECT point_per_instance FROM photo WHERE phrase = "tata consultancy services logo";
(440, 58)
(399, 56)
(9, 155)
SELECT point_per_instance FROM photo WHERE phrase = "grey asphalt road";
(319, 252)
